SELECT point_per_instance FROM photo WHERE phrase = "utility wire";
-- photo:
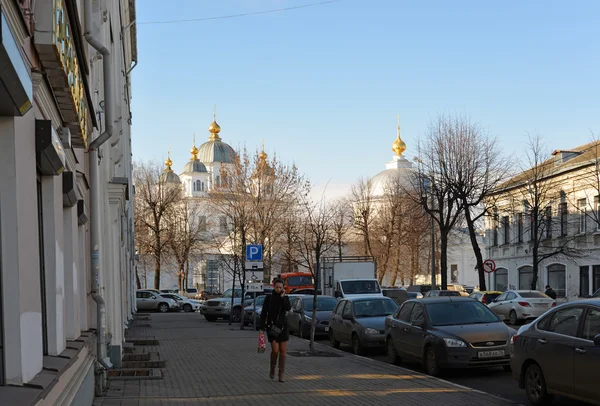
(275, 10)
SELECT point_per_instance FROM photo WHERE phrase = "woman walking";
(273, 320)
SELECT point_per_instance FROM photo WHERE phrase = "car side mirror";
(418, 323)
(338, 293)
(597, 340)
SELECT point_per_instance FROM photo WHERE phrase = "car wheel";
(210, 318)
(163, 307)
(512, 318)
(391, 353)
(431, 362)
(535, 386)
(236, 315)
(356, 347)
(334, 343)
(187, 308)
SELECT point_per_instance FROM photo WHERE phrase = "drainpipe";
(95, 186)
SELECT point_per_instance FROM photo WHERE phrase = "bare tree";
(317, 238)
(432, 189)
(364, 212)
(473, 166)
(343, 220)
(156, 194)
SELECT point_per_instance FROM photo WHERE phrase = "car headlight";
(452, 342)
(226, 304)
(371, 331)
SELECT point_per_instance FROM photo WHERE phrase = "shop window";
(501, 279)
(557, 279)
(525, 277)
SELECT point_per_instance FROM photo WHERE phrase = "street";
(495, 381)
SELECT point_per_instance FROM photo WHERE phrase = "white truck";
(349, 276)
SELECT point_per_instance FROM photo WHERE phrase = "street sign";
(254, 276)
(251, 266)
(489, 266)
(254, 252)
(254, 286)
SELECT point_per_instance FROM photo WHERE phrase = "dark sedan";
(447, 332)
(559, 353)
(300, 317)
(360, 322)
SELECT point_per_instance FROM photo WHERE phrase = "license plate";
(540, 305)
(491, 354)
(326, 328)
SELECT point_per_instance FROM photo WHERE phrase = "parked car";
(559, 353)
(185, 304)
(396, 294)
(517, 306)
(414, 295)
(458, 288)
(150, 300)
(437, 293)
(360, 322)
(422, 289)
(220, 308)
(447, 332)
(485, 297)
(174, 290)
(300, 318)
(250, 308)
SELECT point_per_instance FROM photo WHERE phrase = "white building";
(567, 185)
(66, 246)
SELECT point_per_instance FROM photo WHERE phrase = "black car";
(447, 332)
(300, 318)
(397, 295)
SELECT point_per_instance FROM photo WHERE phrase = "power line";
(275, 10)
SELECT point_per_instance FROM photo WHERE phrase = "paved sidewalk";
(217, 364)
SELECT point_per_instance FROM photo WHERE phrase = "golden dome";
(168, 164)
(194, 150)
(214, 128)
(398, 146)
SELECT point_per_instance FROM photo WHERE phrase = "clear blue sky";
(323, 85)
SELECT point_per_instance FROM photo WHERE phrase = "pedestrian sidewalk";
(218, 364)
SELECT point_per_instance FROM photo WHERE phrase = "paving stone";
(218, 364)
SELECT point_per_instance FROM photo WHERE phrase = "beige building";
(566, 188)
(66, 246)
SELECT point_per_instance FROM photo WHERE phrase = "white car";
(520, 305)
(185, 304)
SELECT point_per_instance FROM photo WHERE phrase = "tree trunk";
(157, 271)
(476, 249)
(444, 260)
(137, 278)
(243, 274)
(536, 246)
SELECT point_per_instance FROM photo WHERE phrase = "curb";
(335, 350)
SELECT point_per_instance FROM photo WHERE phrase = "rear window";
(324, 304)
(532, 295)
(460, 313)
(449, 293)
(374, 307)
(490, 297)
(360, 287)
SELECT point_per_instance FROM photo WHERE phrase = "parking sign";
(254, 252)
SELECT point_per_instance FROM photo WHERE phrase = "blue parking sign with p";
(254, 252)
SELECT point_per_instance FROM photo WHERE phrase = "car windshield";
(360, 287)
(459, 313)
(324, 304)
(374, 307)
(299, 281)
(533, 295)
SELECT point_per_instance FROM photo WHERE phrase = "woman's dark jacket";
(274, 311)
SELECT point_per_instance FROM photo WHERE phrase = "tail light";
(553, 304)
(524, 304)
(483, 300)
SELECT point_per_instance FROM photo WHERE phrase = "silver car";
(520, 305)
(149, 300)
(185, 304)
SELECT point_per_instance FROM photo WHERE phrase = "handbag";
(274, 330)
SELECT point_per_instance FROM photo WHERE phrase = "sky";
(323, 85)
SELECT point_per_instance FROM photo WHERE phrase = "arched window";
(557, 279)
(525, 277)
(202, 186)
(198, 185)
(501, 279)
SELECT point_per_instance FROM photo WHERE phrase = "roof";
(216, 151)
(582, 156)
(443, 299)
(194, 165)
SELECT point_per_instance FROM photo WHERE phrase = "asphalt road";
(494, 380)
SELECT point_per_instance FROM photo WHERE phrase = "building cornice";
(44, 99)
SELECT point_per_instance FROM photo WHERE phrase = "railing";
(363, 258)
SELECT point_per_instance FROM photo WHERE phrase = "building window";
(548, 221)
(501, 279)
(454, 273)
(557, 279)
(520, 227)
(198, 186)
(564, 213)
(582, 206)
(525, 277)
(595, 278)
(495, 228)
(223, 225)
(506, 228)
(218, 180)
(584, 281)
(597, 212)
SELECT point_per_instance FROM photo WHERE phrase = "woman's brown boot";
(273, 365)
(282, 357)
